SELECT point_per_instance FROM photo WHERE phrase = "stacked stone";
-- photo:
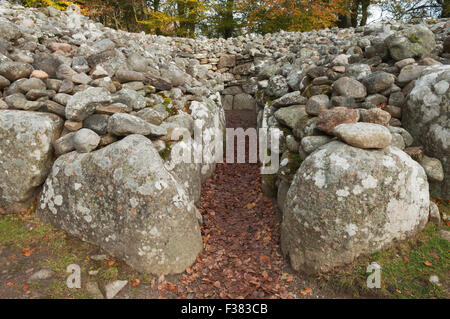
(370, 79)
(110, 107)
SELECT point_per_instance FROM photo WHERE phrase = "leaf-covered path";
(241, 235)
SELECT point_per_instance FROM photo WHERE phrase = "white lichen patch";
(343, 192)
(369, 182)
(351, 229)
(319, 178)
(84, 211)
(339, 161)
(154, 232)
(58, 200)
(387, 180)
(388, 162)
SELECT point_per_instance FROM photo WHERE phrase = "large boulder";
(412, 42)
(426, 117)
(181, 164)
(122, 199)
(345, 202)
(209, 128)
(25, 155)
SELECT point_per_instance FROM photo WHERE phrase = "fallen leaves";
(27, 252)
(306, 291)
(241, 234)
(250, 206)
(10, 283)
(135, 283)
(427, 263)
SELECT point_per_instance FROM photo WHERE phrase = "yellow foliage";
(57, 4)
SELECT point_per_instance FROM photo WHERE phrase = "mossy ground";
(27, 245)
(406, 269)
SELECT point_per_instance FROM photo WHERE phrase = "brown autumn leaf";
(250, 206)
(406, 259)
(10, 283)
(427, 263)
(306, 291)
(436, 256)
(27, 252)
(135, 283)
(111, 262)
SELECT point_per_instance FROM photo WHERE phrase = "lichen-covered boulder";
(122, 199)
(209, 128)
(426, 117)
(181, 164)
(411, 42)
(345, 202)
(25, 155)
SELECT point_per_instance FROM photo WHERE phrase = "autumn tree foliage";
(227, 18)
(175, 17)
(290, 15)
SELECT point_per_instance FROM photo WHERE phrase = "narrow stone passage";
(241, 233)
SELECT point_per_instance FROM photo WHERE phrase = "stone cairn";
(89, 120)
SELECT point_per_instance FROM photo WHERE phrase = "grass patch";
(20, 231)
(406, 269)
(56, 250)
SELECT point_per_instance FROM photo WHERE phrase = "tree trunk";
(445, 9)
(354, 13)
(365, 12)
(229, 25)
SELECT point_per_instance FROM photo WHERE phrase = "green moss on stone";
(413, 38)
(167, 151)
(171, 110)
